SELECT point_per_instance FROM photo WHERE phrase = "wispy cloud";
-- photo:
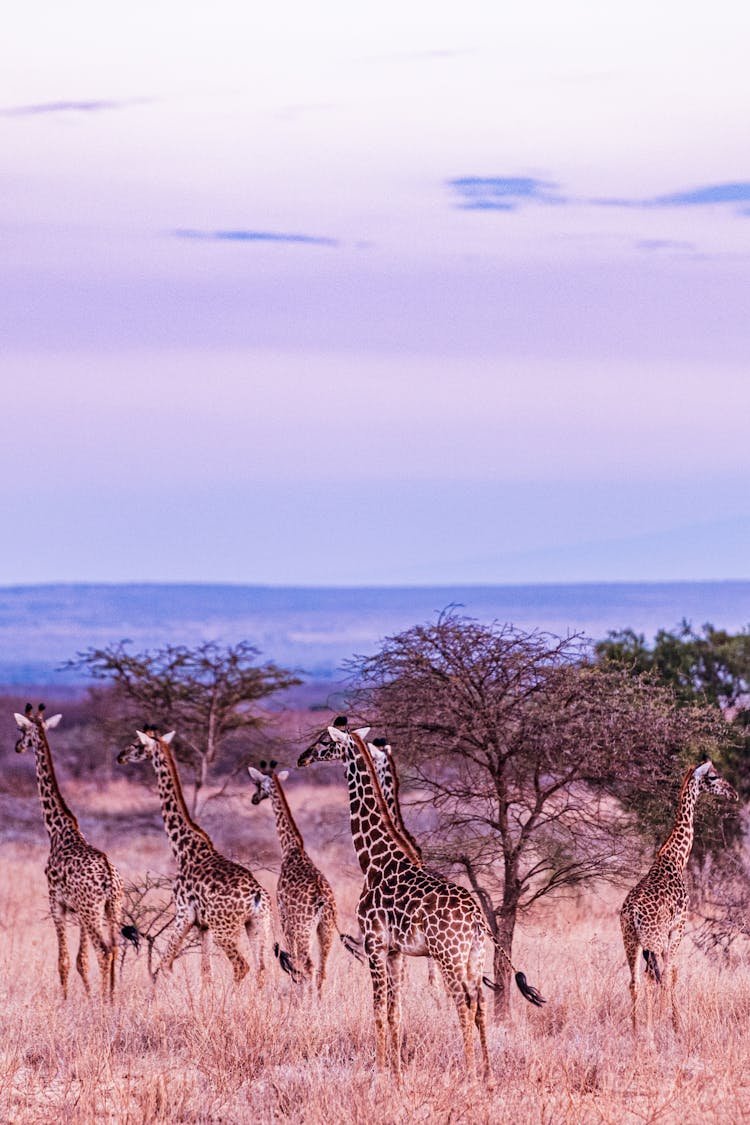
(253, 236)
(503, 193)
(93, 105)
(509, 193)
(667, 245)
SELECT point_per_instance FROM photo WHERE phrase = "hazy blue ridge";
(315, 628)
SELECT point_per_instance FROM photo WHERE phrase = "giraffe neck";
(289, 834)
(376, 839)
(388, 778)
(185, 836)
(679, 842)
(58, 818)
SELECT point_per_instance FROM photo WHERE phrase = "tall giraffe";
(81, 880)
(303, 894)
(211, 892)
(405, 909)
(654, 912)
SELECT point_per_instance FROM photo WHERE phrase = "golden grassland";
(168, 1053)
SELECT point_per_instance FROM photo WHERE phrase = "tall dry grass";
(168, 1053)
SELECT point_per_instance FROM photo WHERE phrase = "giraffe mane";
(285, 804)
(396, 787)
(166, 752)
(64, 808)
(398, 837)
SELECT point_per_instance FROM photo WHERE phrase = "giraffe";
(211, 892)
(406, 910)
(381, 753)
(303, 894)
(653, 914)
(81, 880)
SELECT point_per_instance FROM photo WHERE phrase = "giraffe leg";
(205, 957)
(82, 959)
(104, 955)
(466, 1007)
(227, 943)
(258, 930)
(395, 971)
(480, 1019)
(632, 945)
(376, 956)
(326, 934)
(181, 927)
(63, 958)
(674, 945)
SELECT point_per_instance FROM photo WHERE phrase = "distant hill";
(314, 629)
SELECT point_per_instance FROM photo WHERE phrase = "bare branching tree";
(529, 759)
(206, 694)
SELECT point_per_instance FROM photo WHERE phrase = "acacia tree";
(206, 693)
(524, 753)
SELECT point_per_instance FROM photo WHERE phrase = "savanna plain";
(169, 1051)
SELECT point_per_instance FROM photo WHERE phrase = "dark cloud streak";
(253, 236)
(93, 105)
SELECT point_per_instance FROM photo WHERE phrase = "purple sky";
(443, 298)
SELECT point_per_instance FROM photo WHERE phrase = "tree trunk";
(506, 924)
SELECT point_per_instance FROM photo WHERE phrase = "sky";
(438, 294)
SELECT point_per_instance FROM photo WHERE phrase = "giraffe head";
(380, 752)
(263, 780)
(709, 781)
(332, 745)
(30, 725)
(143, 746)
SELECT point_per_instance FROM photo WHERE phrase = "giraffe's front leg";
(63, 959)
(395, 970)
(376, 956)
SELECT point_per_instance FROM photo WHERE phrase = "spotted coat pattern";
(304, 896)
(82, 882)
(211, 892)
(654, 913)
(406, 910)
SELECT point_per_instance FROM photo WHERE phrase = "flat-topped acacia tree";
(207, 693)
(523, 753)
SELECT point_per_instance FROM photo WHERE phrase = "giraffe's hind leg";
(258, 930)
(632, 945)
(228, 943)
(82, 959)
(466, 1007)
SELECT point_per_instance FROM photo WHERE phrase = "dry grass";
(168, 1054)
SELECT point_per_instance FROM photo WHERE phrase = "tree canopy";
(531, 756)
(206, 693)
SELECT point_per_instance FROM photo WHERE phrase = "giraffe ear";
(51, 723)
(703, 768)
(256, 775)
(363, 732)
(283, 775)
(22, 722)
(337, 735)
(168, 737)
(144, 739)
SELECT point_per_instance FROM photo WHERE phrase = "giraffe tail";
(533, 995)
(130, 933)
(285, 961)
(652, 965)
